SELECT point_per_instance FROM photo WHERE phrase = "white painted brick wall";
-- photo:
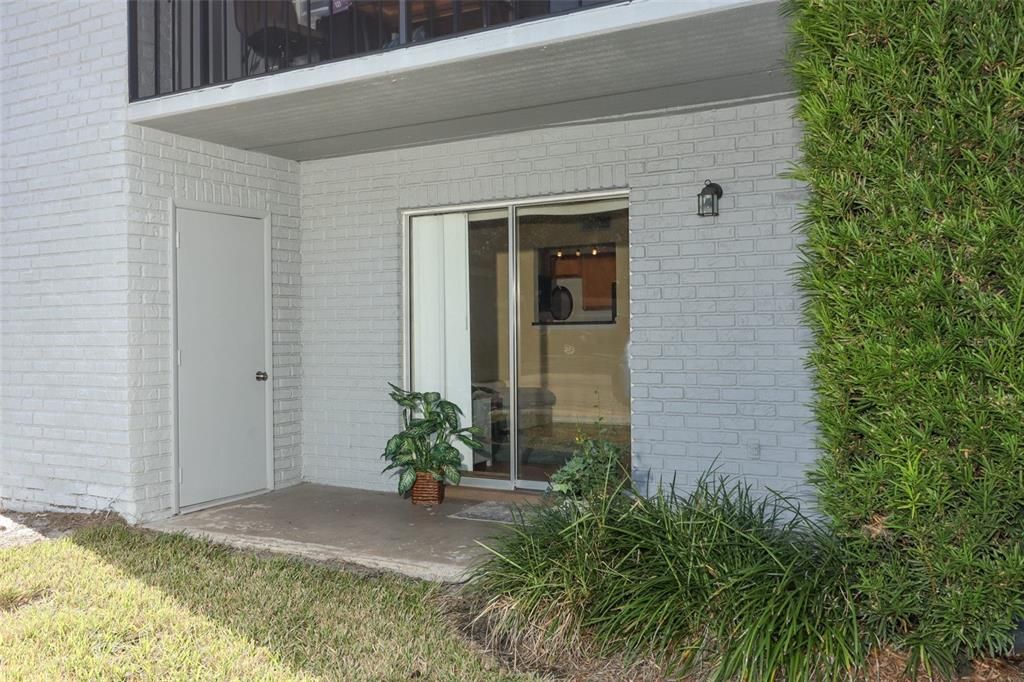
(85, 402)
(167, 167)
(64, 373)
(717, 344)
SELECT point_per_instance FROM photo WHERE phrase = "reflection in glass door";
(532, 347)
(573, 330)
(488, 356)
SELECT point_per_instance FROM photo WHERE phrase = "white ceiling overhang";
(617, 60)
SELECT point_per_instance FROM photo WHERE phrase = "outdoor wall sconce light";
(707, 200)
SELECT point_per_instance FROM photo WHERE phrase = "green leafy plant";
(595, 468)
(431, 425)
(719, 581)
(913, 151)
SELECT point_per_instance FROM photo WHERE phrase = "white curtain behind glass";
(440, 343)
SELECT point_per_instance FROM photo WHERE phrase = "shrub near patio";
(716, 581)
(914, 154)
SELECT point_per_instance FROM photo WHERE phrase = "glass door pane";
(573, 328)
(489, 350)
(459, 325)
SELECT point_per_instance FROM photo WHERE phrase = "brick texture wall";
(85, 378)
(64, 373)
(165, 167)
(716, 341)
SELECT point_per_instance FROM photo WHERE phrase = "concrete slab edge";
(421, 570)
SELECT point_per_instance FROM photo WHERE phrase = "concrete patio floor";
(374, 530)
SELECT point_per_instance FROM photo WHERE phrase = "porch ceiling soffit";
(680, 61)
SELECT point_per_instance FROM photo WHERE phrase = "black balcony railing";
(178, 45)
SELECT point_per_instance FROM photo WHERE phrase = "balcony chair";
(272, 33)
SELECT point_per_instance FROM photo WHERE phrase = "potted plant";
(423, 452)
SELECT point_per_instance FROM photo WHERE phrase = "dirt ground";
(23, 528)
(888, 665)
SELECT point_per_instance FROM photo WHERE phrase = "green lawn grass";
(117, 603)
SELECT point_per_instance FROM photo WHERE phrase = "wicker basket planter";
(427, 490)
(427, 443)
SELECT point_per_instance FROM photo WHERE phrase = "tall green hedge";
(914, 154)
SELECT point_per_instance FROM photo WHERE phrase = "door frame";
(511, 205)
(268, 333)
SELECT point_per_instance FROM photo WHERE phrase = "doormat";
(498, 512)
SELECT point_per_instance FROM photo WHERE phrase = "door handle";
(261, 375)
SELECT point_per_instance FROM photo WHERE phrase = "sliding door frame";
(511, 206)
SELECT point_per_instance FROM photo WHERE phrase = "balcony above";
(547, 62)
(179, 45)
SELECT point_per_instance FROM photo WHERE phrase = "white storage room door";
(222, 374)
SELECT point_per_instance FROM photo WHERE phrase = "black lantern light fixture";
(707, 200)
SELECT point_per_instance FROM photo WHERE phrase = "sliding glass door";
(459, 325)
(520, 315)
(573, 297)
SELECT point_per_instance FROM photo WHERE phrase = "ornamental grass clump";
(718, 579)
(913, 151)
